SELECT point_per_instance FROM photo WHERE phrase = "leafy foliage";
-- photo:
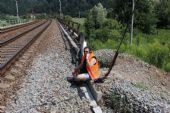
(69, 7)
(81, 21)
(163, 13)
(7, 20)
(167, 67)
(95, 19)
(67, 18)
(99, 27)
(144, 14)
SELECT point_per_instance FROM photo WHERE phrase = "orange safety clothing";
(93, 71)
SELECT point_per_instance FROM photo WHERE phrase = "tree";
(96, 18)
(99, 27)
(163, 13)
(145, 19)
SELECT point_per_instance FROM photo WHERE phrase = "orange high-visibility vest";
(93, 71)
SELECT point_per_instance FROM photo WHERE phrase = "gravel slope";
(44, 88)
(145, 87)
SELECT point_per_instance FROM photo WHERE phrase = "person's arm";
(91, 63)
(79, 66)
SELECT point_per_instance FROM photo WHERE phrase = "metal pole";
(131, 33)
(17, 10)
(79, 13)
(60, 8)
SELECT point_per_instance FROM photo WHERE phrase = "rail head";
(5, 65)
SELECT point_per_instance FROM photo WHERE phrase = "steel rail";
(18, 48)
(88, 88)
(9, 38)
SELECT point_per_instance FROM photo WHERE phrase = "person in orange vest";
(89, 67)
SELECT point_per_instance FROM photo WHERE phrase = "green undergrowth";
(117, 103)
(154, 49)
(81, 21)
(7, 20)
(140, 86)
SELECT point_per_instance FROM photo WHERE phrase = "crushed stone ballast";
(91, 94)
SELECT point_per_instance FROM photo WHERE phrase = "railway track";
(11, 35)
(15, 42)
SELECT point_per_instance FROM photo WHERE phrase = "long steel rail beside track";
(77, 39)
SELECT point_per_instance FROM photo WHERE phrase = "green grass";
(81, 21)
(7, 20)
(154, 49)
(140, 86)
(161, 36)
(3, 23)
(97, 44)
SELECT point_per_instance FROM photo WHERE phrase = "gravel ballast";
(44, 88)
(144, 87)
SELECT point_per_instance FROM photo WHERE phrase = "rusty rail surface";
(11, 51)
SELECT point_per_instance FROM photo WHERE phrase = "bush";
(41, 16)
(113, 24)
(102, 34)
(167, 67)
(96, 19)
(3, 23)
(67, 18)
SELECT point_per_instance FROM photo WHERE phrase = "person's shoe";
(71, 79)
(99, 80)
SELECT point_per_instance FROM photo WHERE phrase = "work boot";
(71, 79)
(99, 80)
(74, 81)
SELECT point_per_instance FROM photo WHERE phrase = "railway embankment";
(133, 85)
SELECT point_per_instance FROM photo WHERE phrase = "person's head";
(87, 50)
